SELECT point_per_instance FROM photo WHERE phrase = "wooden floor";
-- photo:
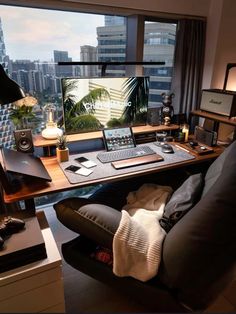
(86, 295)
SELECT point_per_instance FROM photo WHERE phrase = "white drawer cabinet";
(36, 287)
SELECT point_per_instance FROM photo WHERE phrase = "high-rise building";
(62, 56)
(159, 44)
(88, 53)
(111, 20)
(63, 70)
(112, 47)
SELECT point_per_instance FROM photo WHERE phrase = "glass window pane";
(159, 45)
(32, 41)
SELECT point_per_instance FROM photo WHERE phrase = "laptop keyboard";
(125, 154)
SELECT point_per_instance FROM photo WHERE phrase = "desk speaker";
(24, 141)
(154, 116)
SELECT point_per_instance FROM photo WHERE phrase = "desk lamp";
(10, 91)
(228, 68)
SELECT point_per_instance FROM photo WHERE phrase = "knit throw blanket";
(137, 243)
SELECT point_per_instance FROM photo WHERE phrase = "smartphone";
(86, 162)
(79, 170)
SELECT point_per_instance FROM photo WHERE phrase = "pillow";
(182, 200)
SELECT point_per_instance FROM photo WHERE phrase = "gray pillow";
(182, 200)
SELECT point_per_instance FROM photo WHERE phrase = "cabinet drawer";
(29, 283)
(36, 300)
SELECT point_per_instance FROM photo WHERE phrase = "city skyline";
(34, 33)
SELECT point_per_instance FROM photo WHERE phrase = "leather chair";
(199, 250)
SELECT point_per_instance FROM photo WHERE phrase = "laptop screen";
(118, 138)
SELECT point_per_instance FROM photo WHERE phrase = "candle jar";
(185, 131)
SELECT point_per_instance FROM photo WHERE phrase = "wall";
(226, 45)
(188, 7)
(213, 26)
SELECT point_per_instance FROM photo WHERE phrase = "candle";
(50, 116)
(185, 130)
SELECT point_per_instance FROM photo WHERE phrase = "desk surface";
(60, 182)
(39, 141)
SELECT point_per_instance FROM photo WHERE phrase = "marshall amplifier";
(219, 101)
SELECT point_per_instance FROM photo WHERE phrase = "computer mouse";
(167, 148)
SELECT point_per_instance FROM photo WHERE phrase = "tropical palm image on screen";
(96, 103)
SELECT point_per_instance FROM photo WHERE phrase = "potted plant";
(62, 150)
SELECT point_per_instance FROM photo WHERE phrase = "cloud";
(35, 33)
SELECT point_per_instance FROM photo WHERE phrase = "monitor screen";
(91, 104)
(119, 138)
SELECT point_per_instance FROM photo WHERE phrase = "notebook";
(24, 164)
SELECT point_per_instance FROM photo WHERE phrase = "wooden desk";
(60, 182)
(214, 117)
(39, 141)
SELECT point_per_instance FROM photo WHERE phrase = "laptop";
(24, 164)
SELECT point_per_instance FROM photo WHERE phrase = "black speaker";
(153, 116)
(24, 141)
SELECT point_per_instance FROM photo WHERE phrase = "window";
(33, 41)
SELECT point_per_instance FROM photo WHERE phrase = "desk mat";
(102, 171)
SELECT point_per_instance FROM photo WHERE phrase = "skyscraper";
(159, 44)
(62, 56)
(63, 70)
(88, 53)
(112, 46)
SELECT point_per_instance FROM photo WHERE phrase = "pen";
(182, 148)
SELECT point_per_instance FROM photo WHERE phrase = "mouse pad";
(102, 171)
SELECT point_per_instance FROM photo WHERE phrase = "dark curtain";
(188, 65)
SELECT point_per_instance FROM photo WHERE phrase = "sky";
(34, 33)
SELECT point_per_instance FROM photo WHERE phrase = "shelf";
(215, 117)
(39, 141)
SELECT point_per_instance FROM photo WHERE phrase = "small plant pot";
(62, 154)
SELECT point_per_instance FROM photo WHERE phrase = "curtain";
(188, 65)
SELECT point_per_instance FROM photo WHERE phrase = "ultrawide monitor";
(91, 104)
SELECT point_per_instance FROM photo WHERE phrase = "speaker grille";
(24, 141)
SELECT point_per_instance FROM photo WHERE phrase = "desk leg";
(30, 204)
